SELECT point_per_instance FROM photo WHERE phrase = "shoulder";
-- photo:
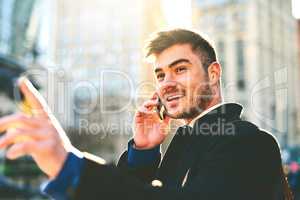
(245, 136)
(258, 141)
(246, 129)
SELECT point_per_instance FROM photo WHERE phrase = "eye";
(160, 76)
(181, 69)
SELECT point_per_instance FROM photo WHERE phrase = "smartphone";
(161, 110)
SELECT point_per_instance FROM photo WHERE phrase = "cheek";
(194, 92)
(158, 89)
(186, 80)
(191, 88)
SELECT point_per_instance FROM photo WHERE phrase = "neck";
(212, 103)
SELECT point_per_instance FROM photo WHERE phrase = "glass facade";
(240, 60)
(210, 2)
(205, 3)
(221, 51)
(15, 18)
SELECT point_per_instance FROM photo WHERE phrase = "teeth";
(174, 97)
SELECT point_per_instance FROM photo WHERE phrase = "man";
(216, 155)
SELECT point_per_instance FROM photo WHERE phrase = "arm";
(41, 136)
(67, 179)
(142, 164)
(143, 156)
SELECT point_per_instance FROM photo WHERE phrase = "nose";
(166, 87)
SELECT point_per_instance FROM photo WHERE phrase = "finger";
(150, 104)
(154, 96)
(21, 149)
(166, 119)
(19, 136)
(33, 98)
(17, 120)
(143, 111)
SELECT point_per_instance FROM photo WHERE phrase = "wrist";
(144, 147)
(138, 147)
(141, 157)
(67, 180)
(60, 162)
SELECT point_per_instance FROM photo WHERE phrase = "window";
(222, 58)
(220, 22)
(240, 20)
(240, 62)
(6, 8)
(210, 2)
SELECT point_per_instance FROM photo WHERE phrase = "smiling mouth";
(174, 97)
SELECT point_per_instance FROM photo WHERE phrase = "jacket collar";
(217, 119)
(191, 124)
(225, 110)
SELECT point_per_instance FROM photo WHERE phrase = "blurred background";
(86, 58)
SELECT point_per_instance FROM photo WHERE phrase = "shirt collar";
(191, 124)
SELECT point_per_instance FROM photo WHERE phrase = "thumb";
(166, 119)
(32, 98)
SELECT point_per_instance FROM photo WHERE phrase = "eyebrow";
(176, 62)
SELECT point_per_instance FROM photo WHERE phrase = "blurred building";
(298, 35)
(92, 52)
(16, 43)
(254, 43)
(298, 64)
(19, 27)
(154, 19)
(98, 55)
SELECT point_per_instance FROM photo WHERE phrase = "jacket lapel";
(172, 163)
(185, 148)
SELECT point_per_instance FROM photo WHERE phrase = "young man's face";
(182, 82)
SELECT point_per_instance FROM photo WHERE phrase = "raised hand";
(39, 134)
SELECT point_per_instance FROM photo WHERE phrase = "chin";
(182, 113)
(176, 114)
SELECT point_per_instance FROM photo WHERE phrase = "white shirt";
(191, 124)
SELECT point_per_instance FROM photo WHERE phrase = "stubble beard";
(197, 105)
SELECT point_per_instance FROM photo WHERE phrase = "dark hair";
(165, 39)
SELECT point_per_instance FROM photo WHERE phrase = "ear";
(214, 73)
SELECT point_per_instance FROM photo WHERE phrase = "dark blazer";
(222, 157)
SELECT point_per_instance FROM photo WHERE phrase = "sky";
(296, 8)
(178, 13)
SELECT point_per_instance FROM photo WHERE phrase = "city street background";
(86, 58)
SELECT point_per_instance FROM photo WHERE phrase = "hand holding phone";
(151, 124)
